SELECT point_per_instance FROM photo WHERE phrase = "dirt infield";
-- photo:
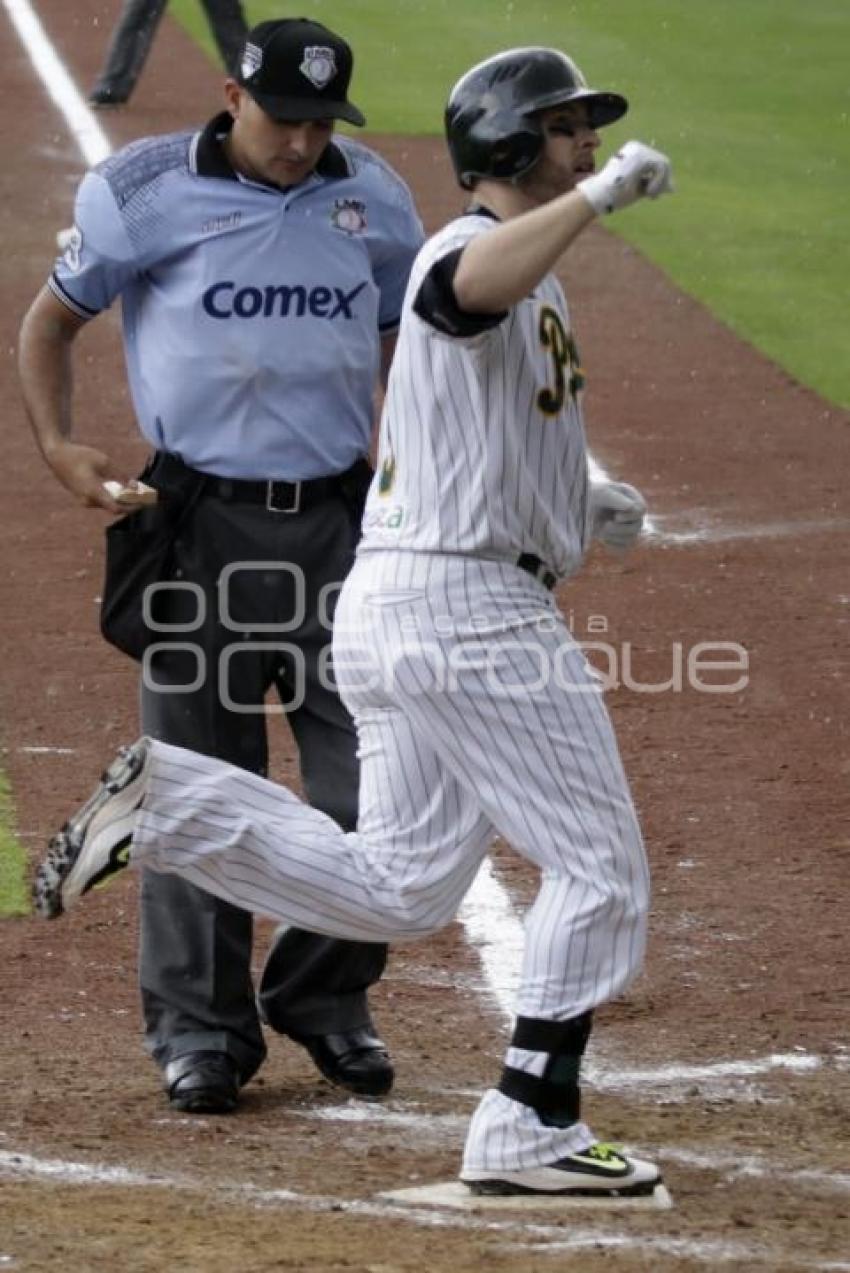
(728, 1059)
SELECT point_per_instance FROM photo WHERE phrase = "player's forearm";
(498, 269)
(45, 370)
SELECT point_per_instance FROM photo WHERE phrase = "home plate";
(451, 1193)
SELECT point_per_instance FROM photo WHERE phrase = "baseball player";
(475, 709)
(261, 264)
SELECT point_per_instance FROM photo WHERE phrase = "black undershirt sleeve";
(436, 303)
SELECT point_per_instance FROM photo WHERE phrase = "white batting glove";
(618, 512)
(635, 172)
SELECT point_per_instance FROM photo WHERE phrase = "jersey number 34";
(567, 375)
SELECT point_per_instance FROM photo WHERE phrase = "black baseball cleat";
(94, 844)
(598, 1171)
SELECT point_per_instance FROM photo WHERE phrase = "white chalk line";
(493, 927)
(714, 1253)
(756, 1166)
(355, 1111)
(540, 1236)
(43, 750)
(720, 534)
(434, 1128)
(51, 70)
(662, 1075)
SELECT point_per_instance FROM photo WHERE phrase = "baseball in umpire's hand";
(133, 494)
(635, 172)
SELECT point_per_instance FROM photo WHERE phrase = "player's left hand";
(618, 511)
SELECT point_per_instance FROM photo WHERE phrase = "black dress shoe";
(203, 1083)
(353, 1059)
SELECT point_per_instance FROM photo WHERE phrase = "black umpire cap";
(297, 69)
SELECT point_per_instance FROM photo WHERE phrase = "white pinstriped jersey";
(482, 443)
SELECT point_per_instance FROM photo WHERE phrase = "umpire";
(261, 265)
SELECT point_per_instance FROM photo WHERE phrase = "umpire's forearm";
(45, 370)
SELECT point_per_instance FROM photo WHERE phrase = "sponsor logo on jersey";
(71, 242)
(349, 215)
(280, 300)
(215, 225)
(384, 518)
(252, 60)
(319, 65)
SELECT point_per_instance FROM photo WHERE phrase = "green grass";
(14, 898)
(751, 99)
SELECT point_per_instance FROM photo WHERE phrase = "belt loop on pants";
(537, 569)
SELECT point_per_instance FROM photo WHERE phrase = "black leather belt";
(173, 478)
(538, 569)
(277, 497)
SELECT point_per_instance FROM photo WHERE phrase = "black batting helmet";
(489, 117)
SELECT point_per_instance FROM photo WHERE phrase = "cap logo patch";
(319, 65)
(252, 60)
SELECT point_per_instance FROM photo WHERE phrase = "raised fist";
(635, 172)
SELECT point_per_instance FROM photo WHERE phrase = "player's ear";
(233, 94)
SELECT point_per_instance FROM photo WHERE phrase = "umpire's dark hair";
(490, 124)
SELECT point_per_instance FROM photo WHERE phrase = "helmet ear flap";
(497, 142)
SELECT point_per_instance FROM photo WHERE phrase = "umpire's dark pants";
(249, 629)
(135, 30)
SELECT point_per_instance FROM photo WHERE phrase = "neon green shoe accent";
(602, 1155)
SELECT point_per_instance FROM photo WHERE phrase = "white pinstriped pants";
(476, 713)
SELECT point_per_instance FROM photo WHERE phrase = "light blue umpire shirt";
(252, 315)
